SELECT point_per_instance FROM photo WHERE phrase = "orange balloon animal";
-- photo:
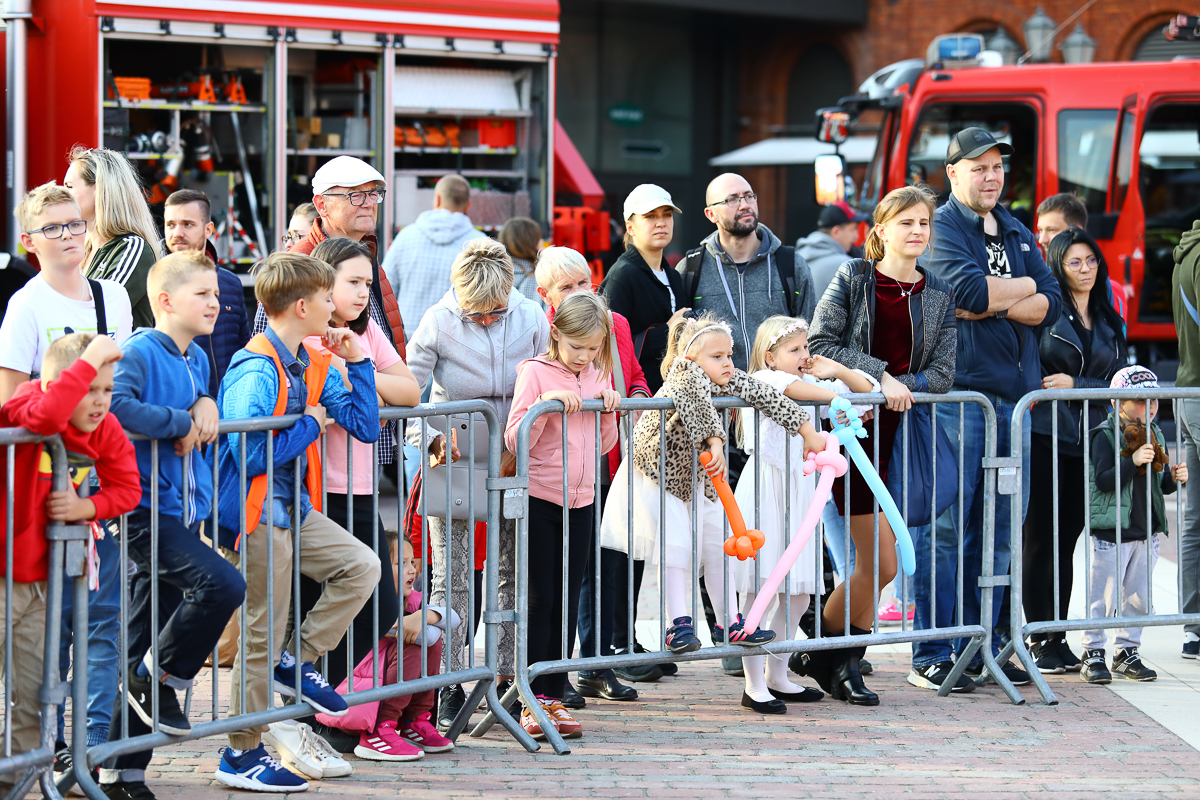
(745, 542)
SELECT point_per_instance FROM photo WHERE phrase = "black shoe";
(934, 675)
(450, 701)
(772, 706)
(340, 740)
(63, 761)
(127, 790)
(571, 698)
(816, 664)
(1128, 664)
(1069, 659)
(805, 695)
(171, 718)
(732, 666)
(515, 707)
(1047, 658)
(1094, 670)
(638, 673)
(1016, 676)
(669, 668)
(1191, 648)
(846, 680)
(606, 686)
(864, 667)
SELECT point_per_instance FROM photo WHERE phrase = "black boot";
(847, 678)
(816, 664)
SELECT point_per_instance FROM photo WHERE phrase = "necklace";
(911, 289)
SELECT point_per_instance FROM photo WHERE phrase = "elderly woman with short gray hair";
(470, 342)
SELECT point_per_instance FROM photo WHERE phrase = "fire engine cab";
(1124, 137)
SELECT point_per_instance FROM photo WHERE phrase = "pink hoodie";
(535, 377)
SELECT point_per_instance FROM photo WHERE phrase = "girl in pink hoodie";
(575, 368)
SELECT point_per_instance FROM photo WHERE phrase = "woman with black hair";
(1082, 349)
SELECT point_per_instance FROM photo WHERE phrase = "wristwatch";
(1001, 314)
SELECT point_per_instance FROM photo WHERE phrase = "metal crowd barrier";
(482, 675)
(1088, 622)
(516, 505)
(68, 556)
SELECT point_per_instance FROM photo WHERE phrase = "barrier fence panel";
(517, 505)
(482, 675)
(1057, 624)
(67, 559)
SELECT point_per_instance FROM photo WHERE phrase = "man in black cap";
(828, 247)
(1003, 290)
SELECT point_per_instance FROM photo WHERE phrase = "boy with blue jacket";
(161, 392)
(276, 374)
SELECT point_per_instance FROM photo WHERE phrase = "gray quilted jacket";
(694, 420)
(842, 328)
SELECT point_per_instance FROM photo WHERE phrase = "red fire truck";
(245, 99)
(1124, 137)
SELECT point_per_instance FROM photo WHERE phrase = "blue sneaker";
(313, 686)
(681, 636)
(256, 771)
(738, 635)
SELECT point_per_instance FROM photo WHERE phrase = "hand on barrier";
(743, 543)
(848, 434)
(831, 464)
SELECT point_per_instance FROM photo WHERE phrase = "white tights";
(771, 672)
(677, 580)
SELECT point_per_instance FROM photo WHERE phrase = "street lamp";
(1003, 44)
(1039, 36)
(1078, 48)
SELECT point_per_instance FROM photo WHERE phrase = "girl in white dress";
(781, 359)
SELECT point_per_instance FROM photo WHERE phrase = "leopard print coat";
(694, 420)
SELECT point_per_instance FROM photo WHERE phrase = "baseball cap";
(840, 213)
(345, 171)
(1134, 377)
(647, 197)
(972, 143)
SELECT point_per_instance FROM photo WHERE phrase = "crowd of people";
(121, 332)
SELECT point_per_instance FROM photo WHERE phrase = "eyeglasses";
(495, 312)
(750, 199)
(289, 239)
(360, 198)
(77, 227)
(1076, 264)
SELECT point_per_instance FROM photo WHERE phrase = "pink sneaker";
(890, 612)
(386, 745)
(422, 734)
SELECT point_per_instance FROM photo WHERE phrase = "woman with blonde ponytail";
(123, 241)
(890, 318)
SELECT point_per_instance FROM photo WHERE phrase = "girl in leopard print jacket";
(697, 367)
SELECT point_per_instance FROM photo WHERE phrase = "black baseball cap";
(839, 213)
(972, 143)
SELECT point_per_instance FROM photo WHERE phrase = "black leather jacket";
(842, 327)
(1061, 351)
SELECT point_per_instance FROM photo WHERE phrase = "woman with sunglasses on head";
(470, 342)
(122, 240)
(1082, 349)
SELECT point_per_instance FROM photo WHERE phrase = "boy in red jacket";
(71, 399)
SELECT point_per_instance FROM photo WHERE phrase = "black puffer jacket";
(842, 327)
(633, 291)
(1061, 351)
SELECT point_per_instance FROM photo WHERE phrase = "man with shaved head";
(742, 272)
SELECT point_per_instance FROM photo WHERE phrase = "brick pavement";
(688, 736)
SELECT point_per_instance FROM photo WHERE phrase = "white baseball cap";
(646, 198)
(345, 171)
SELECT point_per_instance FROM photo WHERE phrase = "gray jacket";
(471, 362)
(824, 255)
(744, 298)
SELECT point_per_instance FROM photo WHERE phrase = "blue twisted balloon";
(848, 435)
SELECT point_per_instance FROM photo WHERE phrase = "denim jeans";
(944, 563)
(1189, 536)
(104, 623)
(835, 541)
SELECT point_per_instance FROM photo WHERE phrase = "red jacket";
(47, 413)
(391, 308)
(635, 378)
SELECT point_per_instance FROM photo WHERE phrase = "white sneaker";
(293, 741)
(334, 765)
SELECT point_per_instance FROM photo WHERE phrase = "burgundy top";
(892, 341)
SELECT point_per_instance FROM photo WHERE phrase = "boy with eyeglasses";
(59, 300)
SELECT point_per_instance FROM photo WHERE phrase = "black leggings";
(1038, 559)
(544, 637)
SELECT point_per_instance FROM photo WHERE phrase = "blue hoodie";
(998, 356)
(154, 388)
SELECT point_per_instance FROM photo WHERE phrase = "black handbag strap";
(98, 299)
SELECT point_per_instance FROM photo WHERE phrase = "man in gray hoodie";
(742, 272)
(828, 247)
(418, 262)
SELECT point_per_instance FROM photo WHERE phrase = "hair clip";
(789, 330)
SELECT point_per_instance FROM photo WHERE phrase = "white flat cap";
(345, 171)
(647, 197)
